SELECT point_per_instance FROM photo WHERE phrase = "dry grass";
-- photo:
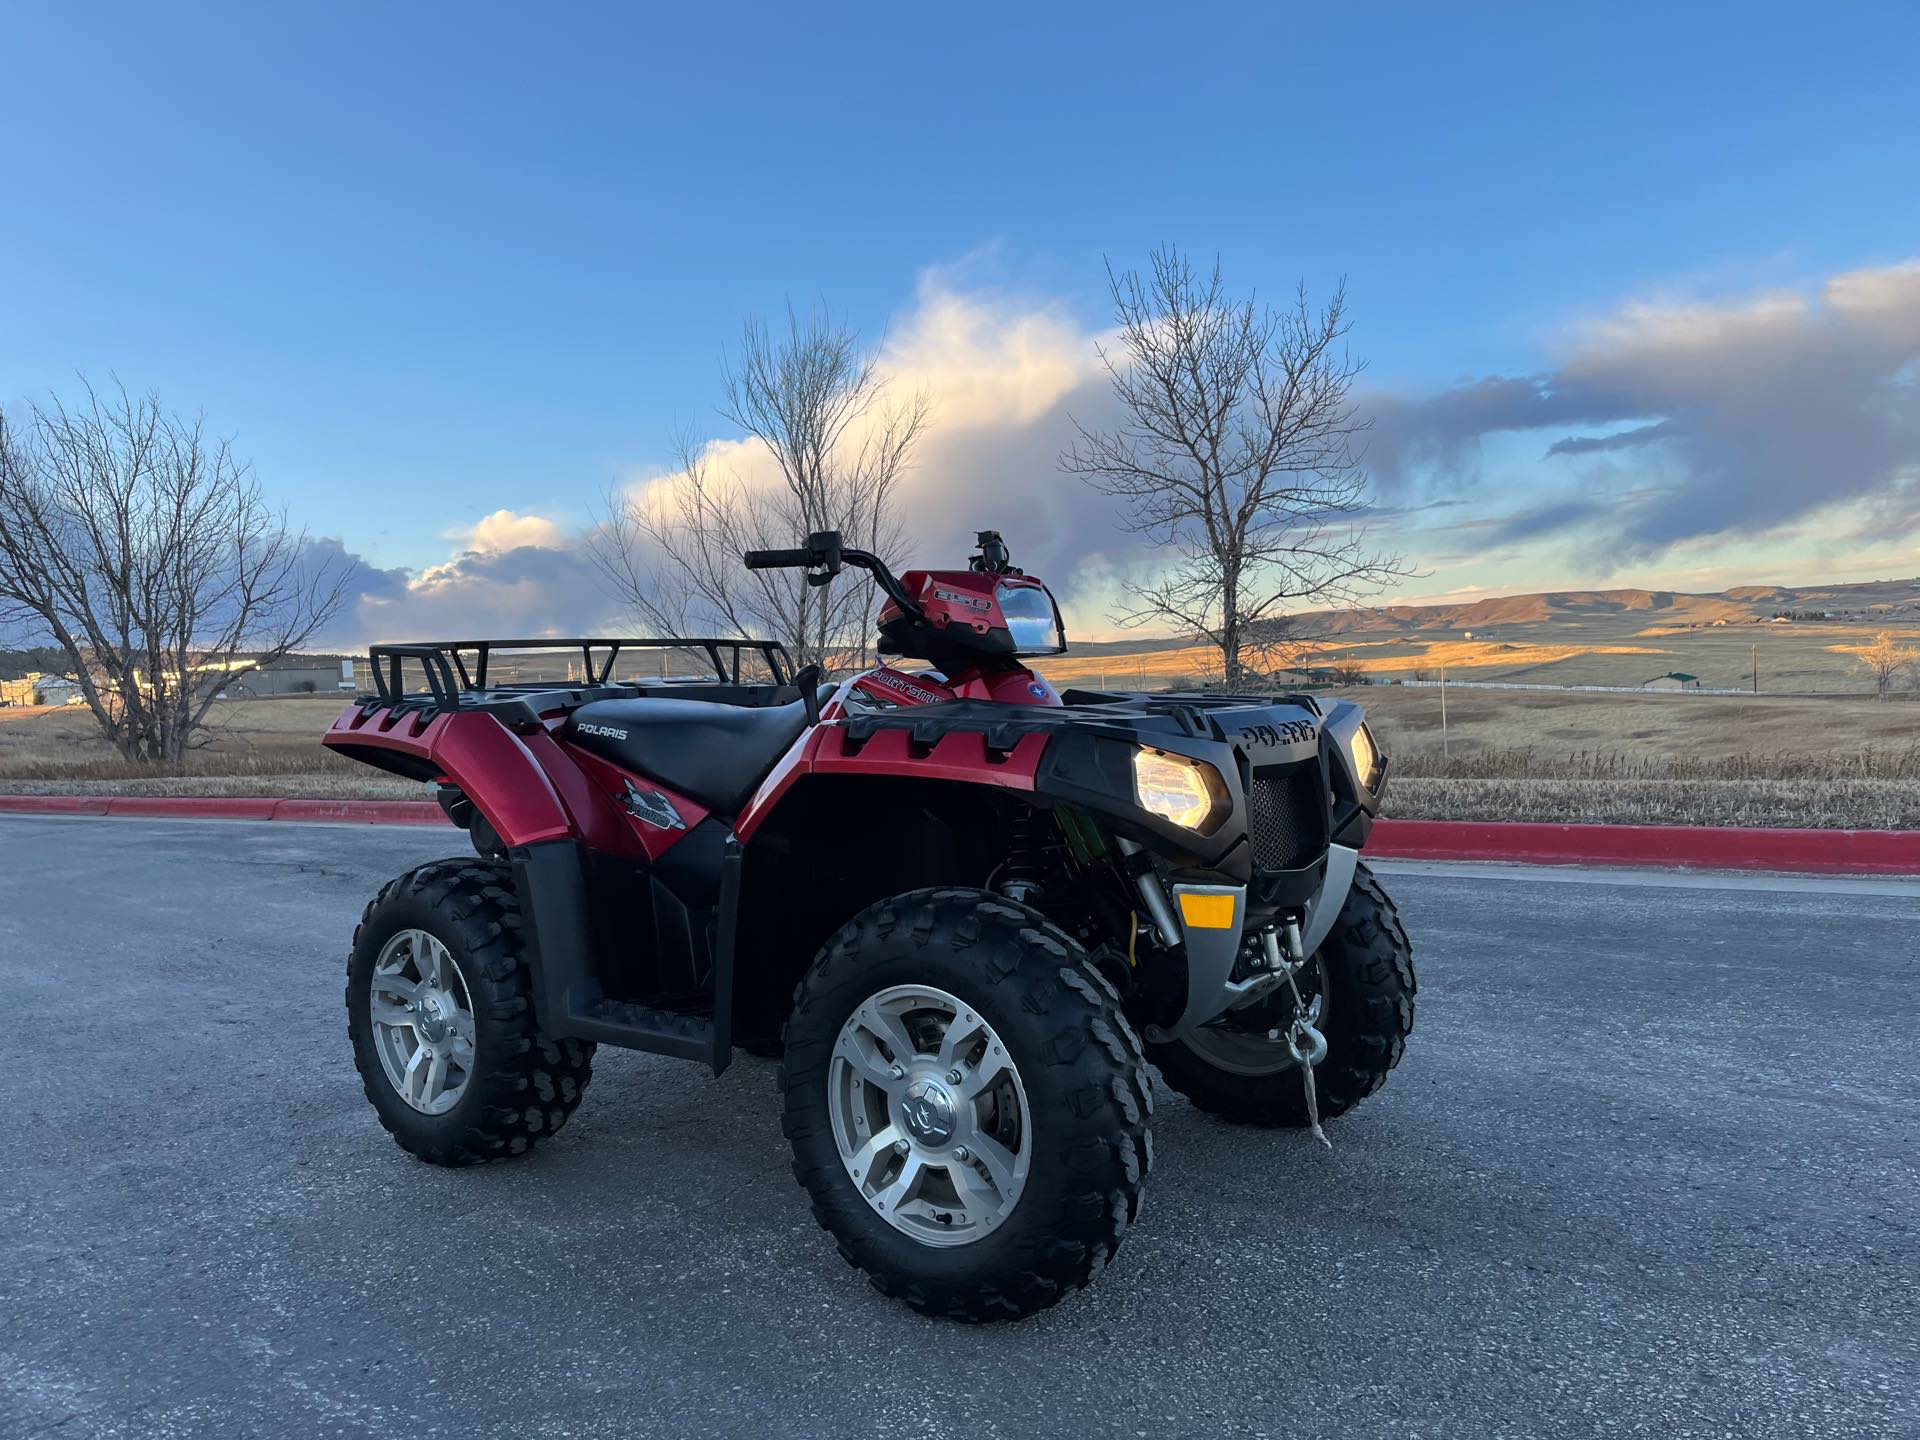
(1552, 727)
(1817, 804)
(1614, 767)
(360, 783)
(1654, 759)
(258, 747)
(1598, 649)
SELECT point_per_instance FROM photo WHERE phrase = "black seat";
(716, 754)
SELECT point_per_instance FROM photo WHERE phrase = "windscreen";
(1030, 619)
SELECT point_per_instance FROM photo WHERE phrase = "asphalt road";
(1648, 1169)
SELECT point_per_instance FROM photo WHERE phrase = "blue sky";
(433, 262)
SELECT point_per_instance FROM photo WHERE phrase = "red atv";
(956, 898)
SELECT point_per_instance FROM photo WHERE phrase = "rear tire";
(1084, 1096)
(1369, 979)
(519, 1086)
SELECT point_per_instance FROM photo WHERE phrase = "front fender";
(963, 756)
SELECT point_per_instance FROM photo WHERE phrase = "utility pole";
(1446, 745)
(1756, 667)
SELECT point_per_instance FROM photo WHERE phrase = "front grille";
(1288, 823)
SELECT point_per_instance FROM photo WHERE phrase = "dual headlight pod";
(1190, 793)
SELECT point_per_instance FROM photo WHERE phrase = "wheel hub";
(422, 1021)
(928, 1113)
(432, 1022)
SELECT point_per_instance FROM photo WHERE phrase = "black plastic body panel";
(551, 879)
(691, 952)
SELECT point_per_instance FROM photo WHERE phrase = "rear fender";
(501, 772)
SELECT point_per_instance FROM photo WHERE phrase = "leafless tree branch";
(1240, 455)
(812, 400)
(138, 545)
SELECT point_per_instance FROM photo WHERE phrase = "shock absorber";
(1020, 876)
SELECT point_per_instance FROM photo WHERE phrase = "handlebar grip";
(777, 559)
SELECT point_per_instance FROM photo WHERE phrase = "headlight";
(1187, 792)
(1366, 756)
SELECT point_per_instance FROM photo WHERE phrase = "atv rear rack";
(454, 684)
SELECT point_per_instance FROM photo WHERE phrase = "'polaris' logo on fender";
(1285, 732)
(607, 730)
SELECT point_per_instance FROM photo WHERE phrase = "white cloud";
(519, 575)
(1005, 376)
(508, 530)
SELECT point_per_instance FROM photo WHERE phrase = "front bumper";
(1212, 926)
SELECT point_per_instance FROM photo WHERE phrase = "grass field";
(1653, 727)
(1609, 650)
(1652, 758)
(257, 747)
(1507, 755)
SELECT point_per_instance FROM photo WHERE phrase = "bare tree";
(813, 403)
(140, 548)
(1885, 660)
(1240, 454)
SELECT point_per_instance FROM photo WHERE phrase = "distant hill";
(1866, 602)
(1652, 607)
(1861, 602)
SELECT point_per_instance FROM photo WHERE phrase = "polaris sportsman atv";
(954, 898)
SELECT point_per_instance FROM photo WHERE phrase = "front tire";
(967, 1106)
(440, 1013)
(1362, 976)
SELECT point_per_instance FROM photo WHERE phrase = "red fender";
(959, 755)
(493, 766)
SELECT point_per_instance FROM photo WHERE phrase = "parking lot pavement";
(1649, 1169)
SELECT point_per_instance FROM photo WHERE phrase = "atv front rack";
(452, 683)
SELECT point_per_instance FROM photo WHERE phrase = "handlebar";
(778, 559)
(823, 551)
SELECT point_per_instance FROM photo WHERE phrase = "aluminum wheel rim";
(422, 1019)
(1251, 1052)
(929, 1115)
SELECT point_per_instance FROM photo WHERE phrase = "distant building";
(1672, 680)
(34, 688)
(1304, 675)
(296, 675)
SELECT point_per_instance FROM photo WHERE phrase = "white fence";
(1609, 689)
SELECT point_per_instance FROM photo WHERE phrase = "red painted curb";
(363, 812)
(190, 807)
(229, 807)
(55, 804)
(1687, 847)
